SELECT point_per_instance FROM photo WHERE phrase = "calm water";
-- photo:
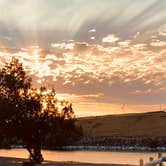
(85, 156)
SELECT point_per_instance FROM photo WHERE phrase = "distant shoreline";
(102, 148)
(115, 148)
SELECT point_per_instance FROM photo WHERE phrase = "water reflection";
(85, 156)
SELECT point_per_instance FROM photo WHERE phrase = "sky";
(104, 56)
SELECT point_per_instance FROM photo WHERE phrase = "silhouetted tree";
(33, 116)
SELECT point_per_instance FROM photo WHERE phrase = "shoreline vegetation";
(142, 144)
(101, 148)
(115, 148)
(10, 161)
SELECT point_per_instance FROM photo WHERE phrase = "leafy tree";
(33, 116)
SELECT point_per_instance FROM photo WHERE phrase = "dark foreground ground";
(6, 161)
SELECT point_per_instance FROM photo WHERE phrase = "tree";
(34, 116)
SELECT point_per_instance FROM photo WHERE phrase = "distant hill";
(152, 124)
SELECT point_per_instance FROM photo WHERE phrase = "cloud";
(69, 46)
(127, 71)
(113, 58)
(58, 45)
(92, 37)
(92, 30)
(158, 43)
(63, 45)
(110, 39)
(162, 32)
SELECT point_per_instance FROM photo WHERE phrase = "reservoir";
(86, 156)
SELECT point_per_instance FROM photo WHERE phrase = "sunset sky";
(105, 56)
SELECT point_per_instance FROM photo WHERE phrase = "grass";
(142, 124)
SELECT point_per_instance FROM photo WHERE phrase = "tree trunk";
(35, 155)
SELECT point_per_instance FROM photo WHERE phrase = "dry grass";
(143, 124)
